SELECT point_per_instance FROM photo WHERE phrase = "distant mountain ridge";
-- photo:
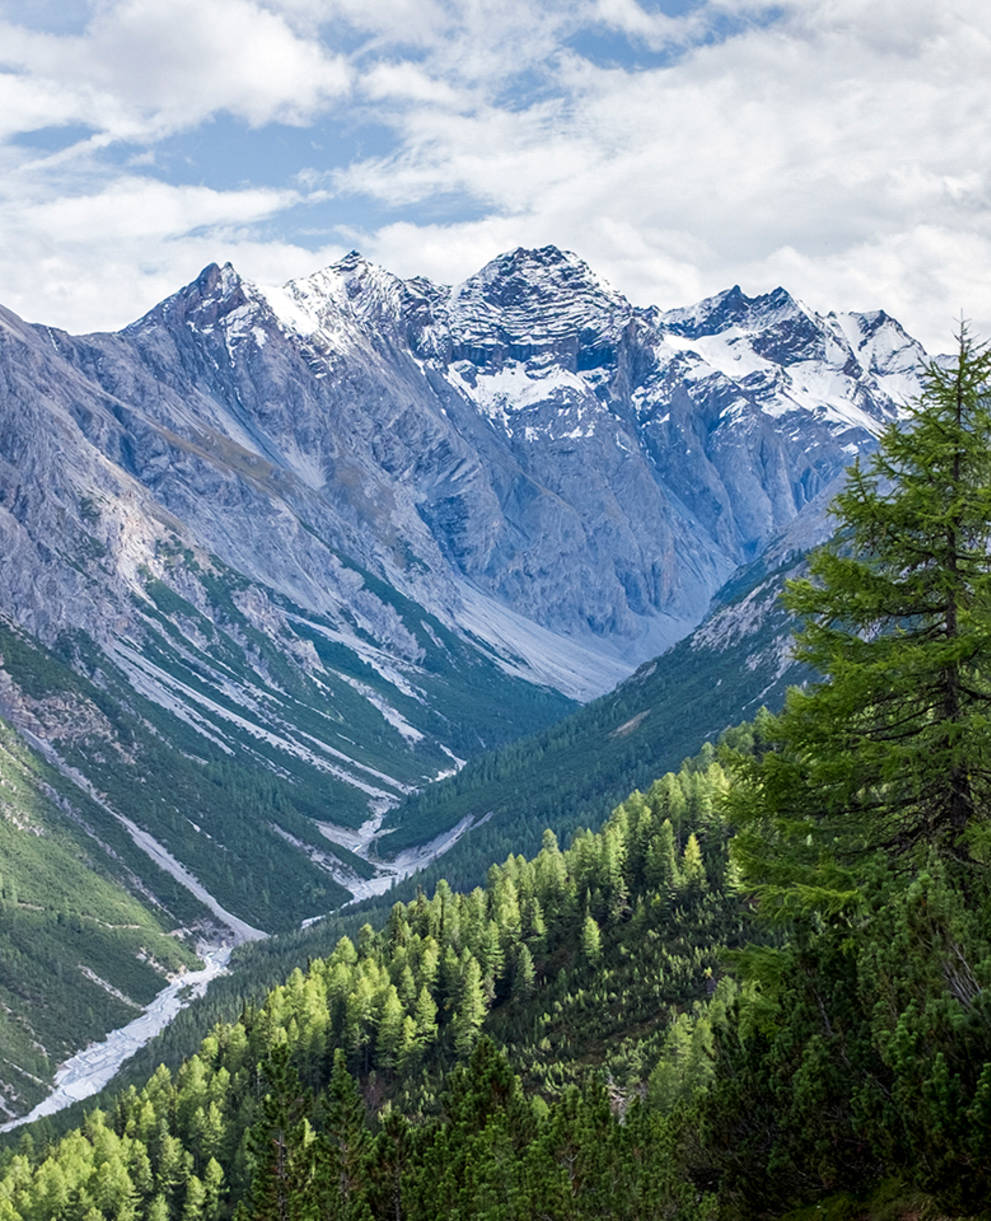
(350, 496)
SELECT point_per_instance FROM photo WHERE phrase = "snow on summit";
(595, 467)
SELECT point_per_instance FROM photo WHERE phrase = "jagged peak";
(330, 301)
(217, 289)
(524, 257)
(214, 281)
(732, 308)
(542, 271)
(531, 297)
(224, 277)
(881, 344)
(354, 283)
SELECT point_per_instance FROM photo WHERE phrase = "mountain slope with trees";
(537, 960)
(866, 840)
(432, 1066)
(81, 949)
(274, 559)
(572, 773)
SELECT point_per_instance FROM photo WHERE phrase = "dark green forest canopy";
(595, 956)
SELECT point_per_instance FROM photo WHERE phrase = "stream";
(89, 1070)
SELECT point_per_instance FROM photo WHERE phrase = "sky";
(841, 148)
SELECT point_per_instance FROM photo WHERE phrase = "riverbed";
(89, 1070)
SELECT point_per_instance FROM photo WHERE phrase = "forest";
(761, 987)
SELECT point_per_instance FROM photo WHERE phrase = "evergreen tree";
(213, 1185)
(591, 940)
(340, 1154)
(692, 867)
(863, 1045)
(891, 751)
(390, 1030)
(425, 1017)
(471, 1010)
(525, 975)
(277, 1142)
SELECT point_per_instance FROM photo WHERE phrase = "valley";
(495, 610)
(279, 561)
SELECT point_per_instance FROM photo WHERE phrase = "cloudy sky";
(839, 147)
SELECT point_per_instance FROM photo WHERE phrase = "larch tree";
(889, 755)
(863, 1043)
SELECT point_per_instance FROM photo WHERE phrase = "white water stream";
(89, 1070)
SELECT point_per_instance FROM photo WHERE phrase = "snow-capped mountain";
(353, 529)
(275, 557)
(528, 434)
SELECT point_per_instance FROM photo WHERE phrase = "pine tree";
(471, 1010)
(525, 975)
(390, 1029)
(661, 866)
(277, 1142)
(194, 1207)
(213, 1185)
(425, 1017)
(865, 833)
(591, 940)
(692, 867)
(340, 1154)
(890, 753)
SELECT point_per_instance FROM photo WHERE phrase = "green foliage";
(890, 754)
(236, 810)
(573, 773)
(861, 1045)
(267, 1117)
(79, 953)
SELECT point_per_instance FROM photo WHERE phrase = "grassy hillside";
(81, 948)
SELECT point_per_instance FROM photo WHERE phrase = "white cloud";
(409, 83)
(397, 22)
(656, 29)
(838, 146)
(135, 209)
(97, 261)
(837, 140)
(144, 68)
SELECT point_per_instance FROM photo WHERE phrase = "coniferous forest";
(763, 986)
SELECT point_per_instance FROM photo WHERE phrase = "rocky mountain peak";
(529, 300)
(732, 308)
(547, 275)
(216, 292)
(352, 291)
(883, 349)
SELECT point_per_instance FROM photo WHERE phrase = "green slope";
(409, 1002)
(566, 777)
(81, 949)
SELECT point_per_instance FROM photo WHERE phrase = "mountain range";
(276, 559)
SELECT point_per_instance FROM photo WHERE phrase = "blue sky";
(839, 147)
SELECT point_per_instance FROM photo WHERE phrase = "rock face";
(348, 530)
(528, 434)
